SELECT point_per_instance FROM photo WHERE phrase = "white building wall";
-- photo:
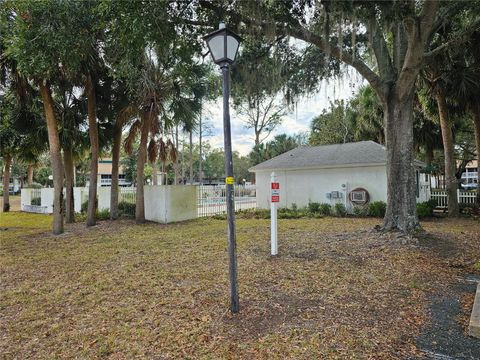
(312, 185)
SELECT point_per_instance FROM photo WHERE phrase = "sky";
(293, 123)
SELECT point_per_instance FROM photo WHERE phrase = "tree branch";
(293, 28)
(418, 31)
(307, 36)
(458, 40)
(400, 46)
(380, 49)
(427, 19)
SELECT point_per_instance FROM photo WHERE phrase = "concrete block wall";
(170, 203)
(25, 198)
(163, 204)
(47, 199)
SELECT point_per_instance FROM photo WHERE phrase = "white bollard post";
(273, 214)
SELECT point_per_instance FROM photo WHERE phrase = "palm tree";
(426, 132)
(154, 91)
(22, 133)
(74, 141)
(9, 140)
(465, 88)
(167, 98)
(120, 121)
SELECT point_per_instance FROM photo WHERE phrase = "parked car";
(470, 186)
(14, 186)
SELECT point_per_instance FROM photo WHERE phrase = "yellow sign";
(229, 180)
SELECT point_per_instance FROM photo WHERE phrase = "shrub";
(432, 203)
(313, 207)
(424, 210)
(340, 209)
(377, 209)
(222, 216)
(469, 209)
(325, 209)
(360, 210)
(36, 201)
(476, 266)
(294, 213)
(79, 217)
(103, 214)
(126, 208)
(253, 214)
(84, 207)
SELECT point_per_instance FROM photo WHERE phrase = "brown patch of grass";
(121, 290)
(15, 202)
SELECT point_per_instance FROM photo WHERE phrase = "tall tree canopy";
(386, 42)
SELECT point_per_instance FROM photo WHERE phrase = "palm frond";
(172, 151)
(152, 151)
(126, 114)
(132, 134)
(162, 151)
(155, 126)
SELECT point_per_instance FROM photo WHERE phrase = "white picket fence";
(464, 197)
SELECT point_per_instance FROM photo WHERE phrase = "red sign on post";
(275, 192)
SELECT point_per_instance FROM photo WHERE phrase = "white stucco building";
(352, 173)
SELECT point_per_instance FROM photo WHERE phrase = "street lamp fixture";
(223, 45)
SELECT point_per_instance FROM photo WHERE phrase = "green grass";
(123, 290)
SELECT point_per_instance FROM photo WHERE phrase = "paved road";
(444, 338)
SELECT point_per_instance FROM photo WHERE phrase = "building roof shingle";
(349, 154)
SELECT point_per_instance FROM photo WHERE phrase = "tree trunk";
(155, 173)
(401, 211)
(55, 157)
(200, 174)
(175, 165)
(191, 158)
(117, 139)
(476, 119)
(451, 183)
(69, 170)
(93, 133)
(429, 155)
(257, 137)
(6, 183)
(30, 175)
(183, 160)
(142, 157)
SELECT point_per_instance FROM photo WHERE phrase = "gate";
(212, 199)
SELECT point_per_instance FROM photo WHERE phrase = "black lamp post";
(223, 45)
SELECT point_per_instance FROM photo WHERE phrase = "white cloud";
(294, 122)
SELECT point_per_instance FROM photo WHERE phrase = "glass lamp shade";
(223, 45)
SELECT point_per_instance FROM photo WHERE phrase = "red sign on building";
(275, 185)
